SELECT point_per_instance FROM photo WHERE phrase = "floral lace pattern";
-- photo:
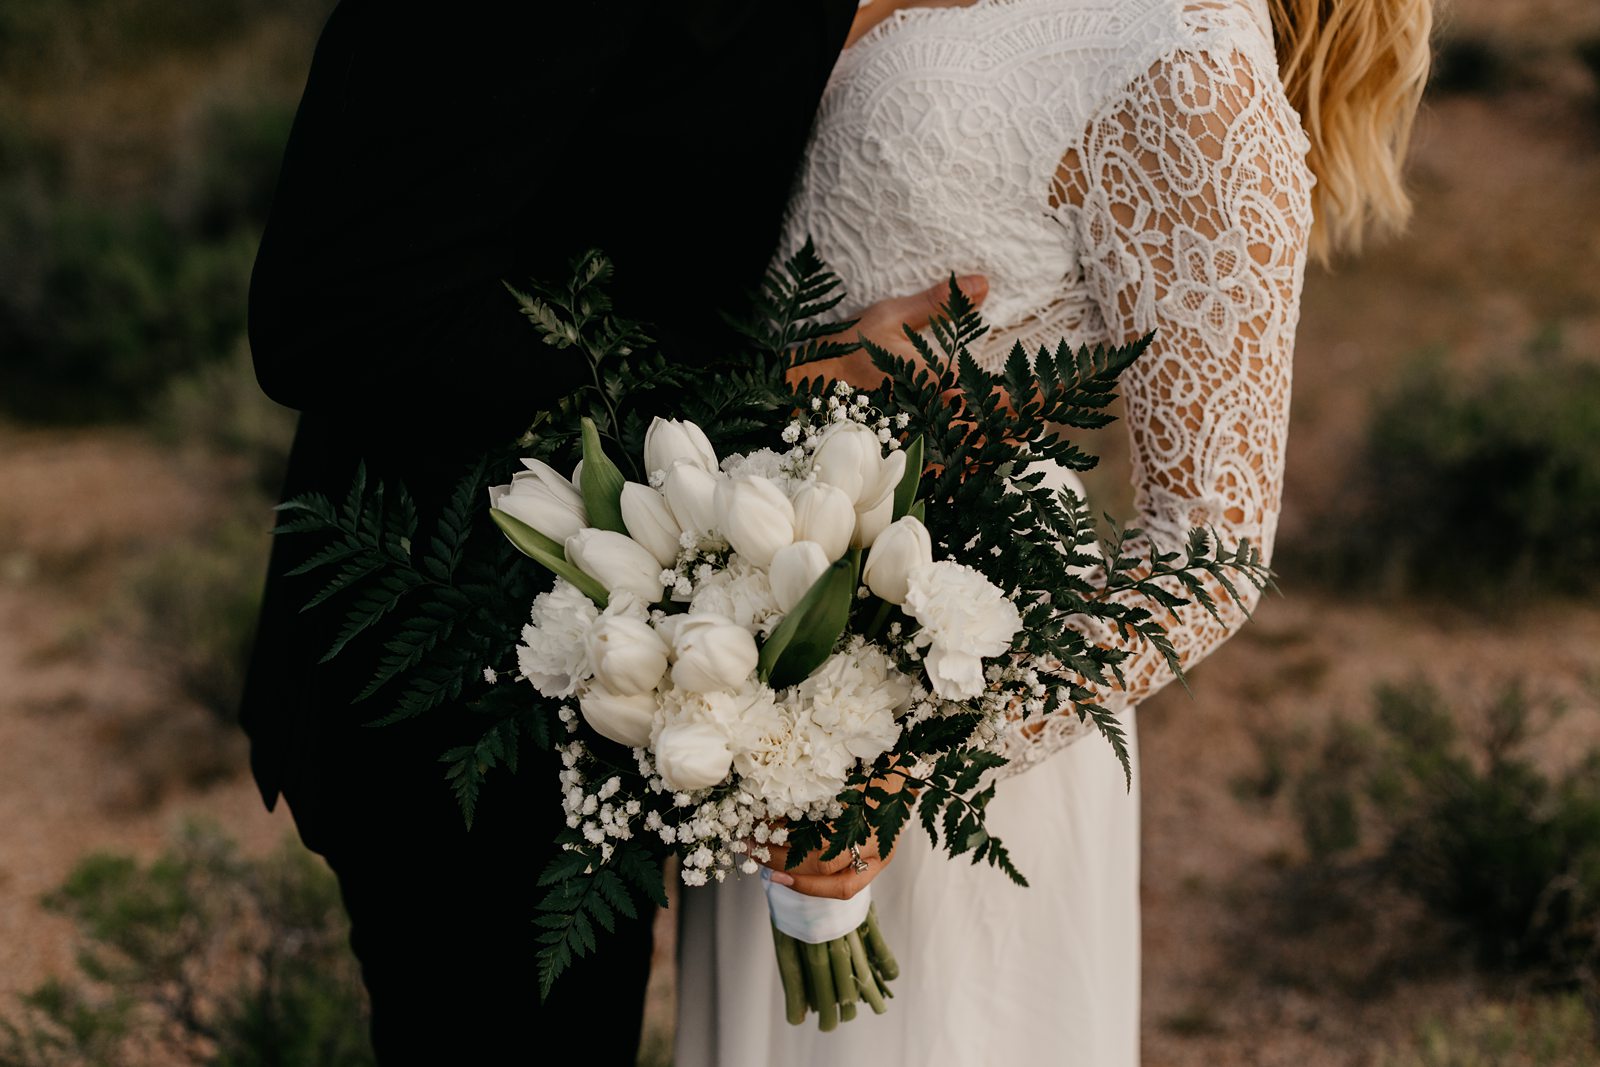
(1113, 167)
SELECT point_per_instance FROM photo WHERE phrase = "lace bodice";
(1113, 167)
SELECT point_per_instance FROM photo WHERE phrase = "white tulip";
(825, 514)
(650, 522)
(712, 653)
(624, 719)
(542, 499)
(755, 517)
(890, 470)
(869, 524)
(691, 494)
(852, 459)
(897, 552)
(795, 569)
(849, 458)
(617, 562)
(577, 476)
(692, 755)
(627, 656)
(672, 441)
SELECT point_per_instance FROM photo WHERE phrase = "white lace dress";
(1113, 167)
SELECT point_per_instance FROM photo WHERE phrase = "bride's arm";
(1189, 201)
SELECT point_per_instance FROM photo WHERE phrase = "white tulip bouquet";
(758, 631)
(800, 615)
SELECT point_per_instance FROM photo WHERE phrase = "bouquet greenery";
(784, 619)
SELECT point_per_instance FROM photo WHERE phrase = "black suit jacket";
(440, 148)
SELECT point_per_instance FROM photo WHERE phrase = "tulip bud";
(848, 458)
(691, 494)
(668, 442)
(692, 755)
(825, 514)
(628, 657)
(755, 517)
(542, 499)
(617, 562)
(896, 553)
(712, 653)
(624, 719)
(650, 522)
(795, 570)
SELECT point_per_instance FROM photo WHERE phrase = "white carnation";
(964, 618)
(740, 592)
(855, 697)
(789, 761)
(554, 652)
(730, 711)
(762, 463)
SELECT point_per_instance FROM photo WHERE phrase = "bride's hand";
(876, 11)
(884, 325)
(836, 878)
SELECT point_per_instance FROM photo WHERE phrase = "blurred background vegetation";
(1373, 836)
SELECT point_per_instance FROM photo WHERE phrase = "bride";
(1110, 167)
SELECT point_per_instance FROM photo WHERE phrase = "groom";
(438, 150)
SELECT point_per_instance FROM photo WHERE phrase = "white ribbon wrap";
(814, 920)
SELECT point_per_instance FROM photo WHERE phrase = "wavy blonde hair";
(1355, 71)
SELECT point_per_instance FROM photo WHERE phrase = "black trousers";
(448, 960)
(442, 918)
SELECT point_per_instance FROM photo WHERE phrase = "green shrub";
(195, 608)
(1481, 485)
(120, 277)
(1327, 808)
(242, 142)
(220, 411)
(112, 305)
(45, 39)
(1505, 852)
(199, 956)
(1554, 1032)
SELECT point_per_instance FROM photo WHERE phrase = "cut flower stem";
(832, 977)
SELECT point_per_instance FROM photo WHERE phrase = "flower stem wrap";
(826, 964)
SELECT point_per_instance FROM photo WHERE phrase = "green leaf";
(539, 548)
(807, 634)
(905, 494)
(602, 483)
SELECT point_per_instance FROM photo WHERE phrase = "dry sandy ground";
(96, 750)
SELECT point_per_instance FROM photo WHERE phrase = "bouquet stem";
(790, 970)
(821, 971)
(879, 947)
(832, 977)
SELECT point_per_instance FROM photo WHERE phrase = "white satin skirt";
(990, 973)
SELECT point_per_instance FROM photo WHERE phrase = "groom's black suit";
(440, 148)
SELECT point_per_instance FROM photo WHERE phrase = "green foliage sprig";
(447, 606)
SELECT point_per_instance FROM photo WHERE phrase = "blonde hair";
(1355, 71)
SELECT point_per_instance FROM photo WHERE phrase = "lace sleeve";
(1189, 202)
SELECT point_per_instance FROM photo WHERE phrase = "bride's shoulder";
(1118, 29)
